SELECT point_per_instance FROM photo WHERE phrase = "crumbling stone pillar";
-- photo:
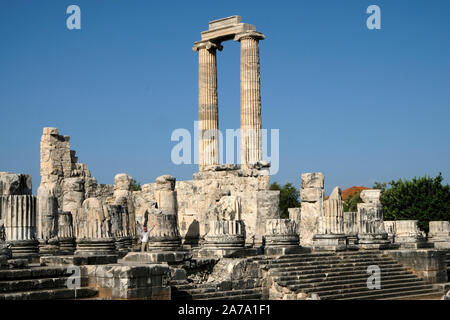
(439, 234)
(165, 235)
(207, 104)
(123, 197)
(331, 234)
(93, 229)
(370, 221)
(312, 196)
(251, 143)
(116, 213)
(351, 227)
(389, 227)
(47, 225)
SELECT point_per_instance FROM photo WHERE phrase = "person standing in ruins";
(144, 237)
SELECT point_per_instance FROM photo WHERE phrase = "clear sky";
(358, 105)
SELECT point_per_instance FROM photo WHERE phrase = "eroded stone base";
(225, 252)
(129, 281)
(330, 242)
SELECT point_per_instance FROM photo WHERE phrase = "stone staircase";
(39, 283)
(344, 275)
(226, 290)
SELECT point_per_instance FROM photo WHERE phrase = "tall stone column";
(207, 103)
(251, 144)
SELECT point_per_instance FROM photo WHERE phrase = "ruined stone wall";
(198, 200)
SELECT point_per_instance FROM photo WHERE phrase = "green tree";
(425, 199)
(289, 198)
(380, 185)
(135, 186)
(350, 204)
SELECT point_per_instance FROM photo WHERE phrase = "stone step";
(300, 284)
(32, 284)
(290, 256)
(229, 294)
(355, 293)
(423, 296)
(33, 273)
(328, 277)
(50, 294)
(399, 293)
(320, 262)
(339, 286)
(256, 296)
(300, 258)
(325, 270)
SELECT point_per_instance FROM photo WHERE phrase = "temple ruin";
(217, 236)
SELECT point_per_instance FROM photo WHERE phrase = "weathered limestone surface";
(228, 269)
(123, 197)
(129, 281)
(351, 227)
(389, 227)
(199, 201)
(19, 215)
(226, 234)
(15, 184)
(427, 264)
(312, 209)
(66, 237)
(281, 237)
(207, 104)
(370, 221)
(408, 235)
(439, 234)
(295, 214)
(331, 234)
(251, 143)
(93, 228)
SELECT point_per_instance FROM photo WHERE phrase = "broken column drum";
(19, 214)
(439, 234)
(331, 234)
(281, 233)
(66, 238)
(370, 221)
(225, 234)
(93, 229)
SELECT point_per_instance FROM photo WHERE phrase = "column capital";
(249, 34)
(206, 44)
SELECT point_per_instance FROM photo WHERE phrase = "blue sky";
(358, 105)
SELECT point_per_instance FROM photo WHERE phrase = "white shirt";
(144, 235)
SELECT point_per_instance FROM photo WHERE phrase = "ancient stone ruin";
(217, 236)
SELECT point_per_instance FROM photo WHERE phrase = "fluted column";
(19, 213)
(251, 144)
(207, 103)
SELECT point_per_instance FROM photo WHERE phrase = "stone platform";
(171, 257)
(78, 260)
